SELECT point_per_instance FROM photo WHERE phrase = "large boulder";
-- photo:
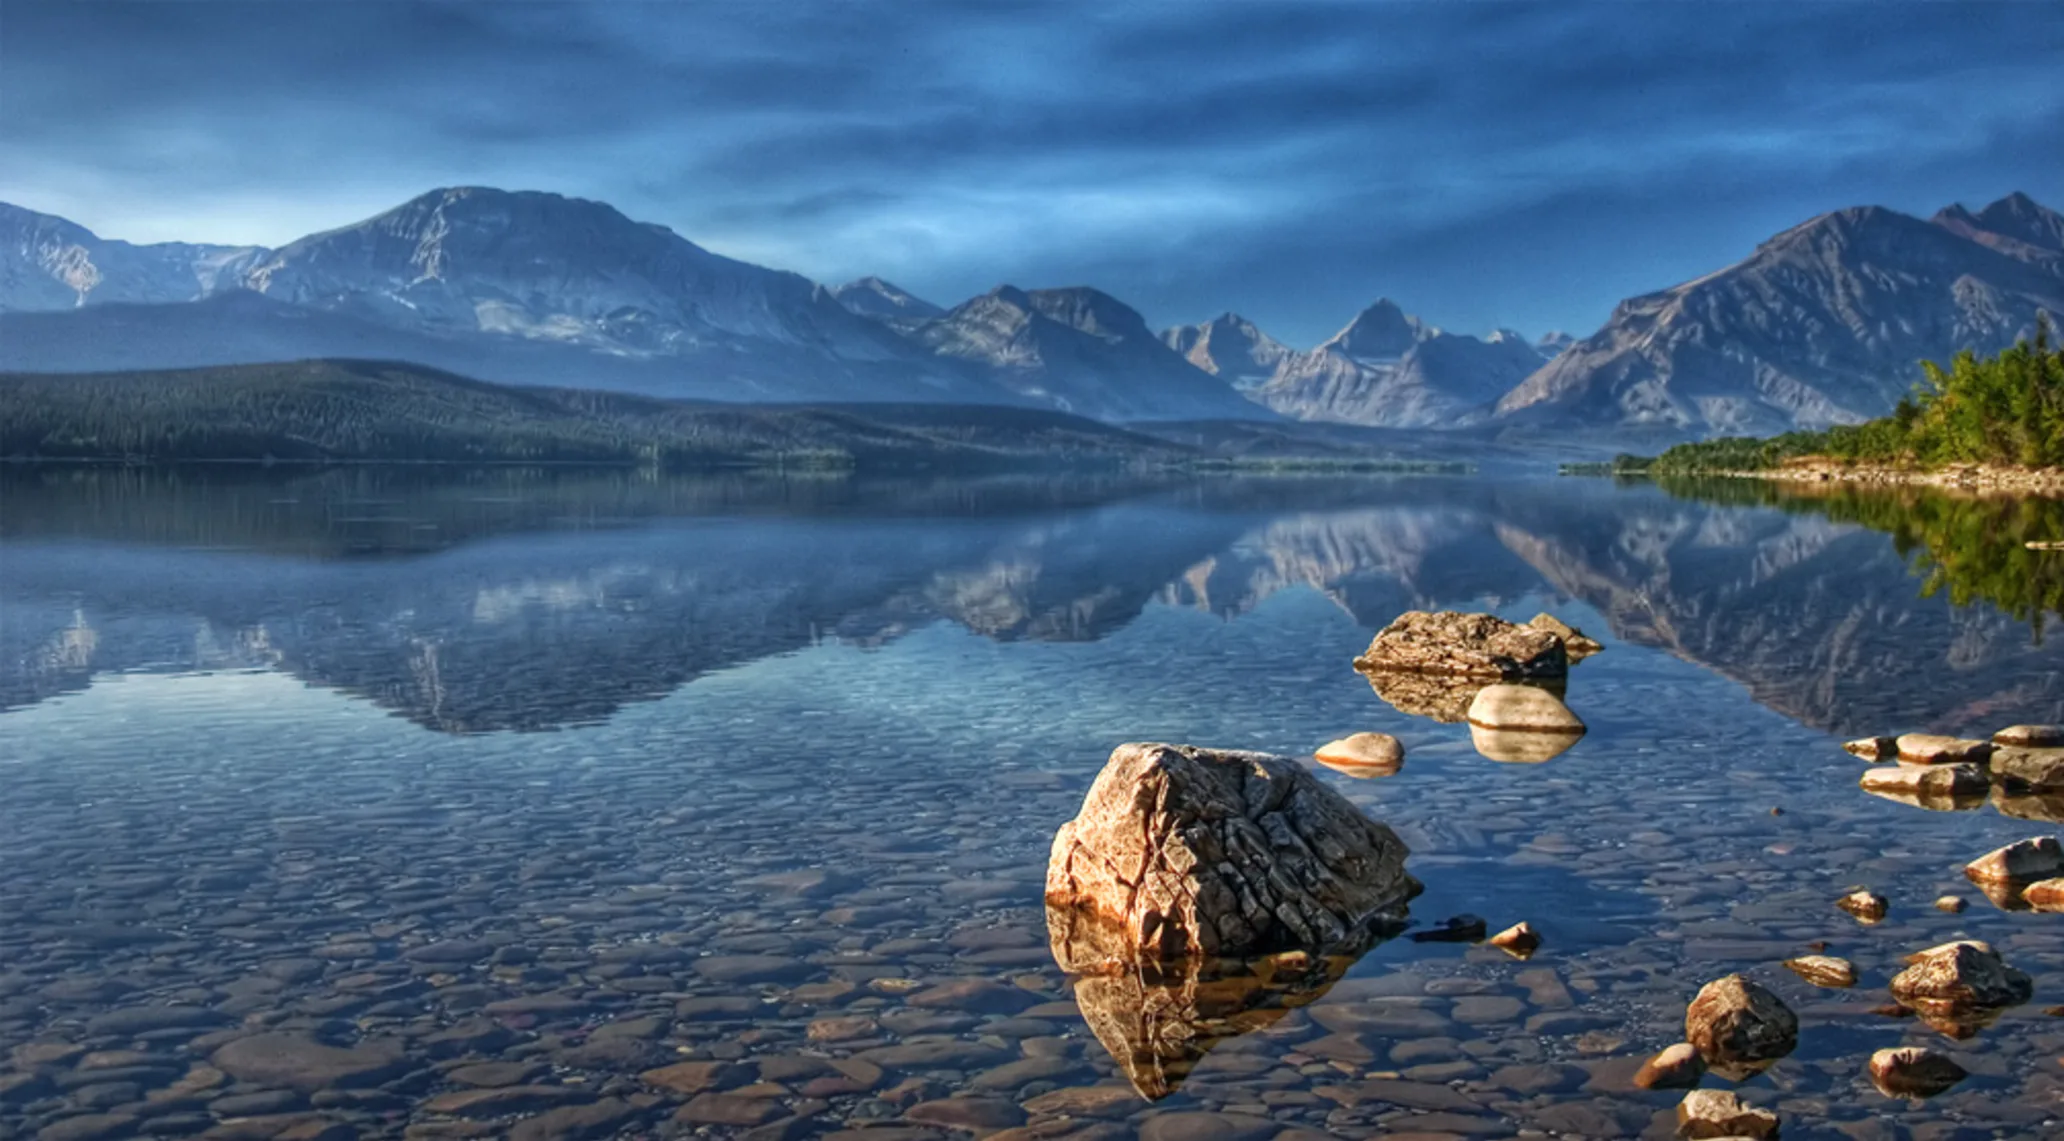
(1192, 852)
(1739, 1027)
(1468, 645)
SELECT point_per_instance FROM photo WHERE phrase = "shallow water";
(587, 775)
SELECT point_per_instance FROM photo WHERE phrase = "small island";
(1995, 424)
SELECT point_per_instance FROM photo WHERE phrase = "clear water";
(511, 768)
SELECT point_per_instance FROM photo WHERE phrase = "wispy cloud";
(1488, 164)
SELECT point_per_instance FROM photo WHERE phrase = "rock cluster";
(1192, 852)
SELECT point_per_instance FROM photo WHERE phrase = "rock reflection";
(1159, 1019)
(1931, 801)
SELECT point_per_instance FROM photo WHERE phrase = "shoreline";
(1981, 479)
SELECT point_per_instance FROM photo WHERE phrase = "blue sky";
(1484, 164)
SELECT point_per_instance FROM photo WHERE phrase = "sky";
(1483, 164)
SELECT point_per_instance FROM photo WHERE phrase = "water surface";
(533, 783)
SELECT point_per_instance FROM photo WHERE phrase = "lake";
(427, 803)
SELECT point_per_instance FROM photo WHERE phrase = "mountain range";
(1822, 324)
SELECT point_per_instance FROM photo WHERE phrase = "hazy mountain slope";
(1824, 323)
(1388, 369)
(1083, 351)
(49, 263)
(884, 300)
(1231, 348)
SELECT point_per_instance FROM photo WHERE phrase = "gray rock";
(291, 1061)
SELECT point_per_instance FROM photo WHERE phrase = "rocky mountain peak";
(1231, 348)
(885, 300)
(1382, 331)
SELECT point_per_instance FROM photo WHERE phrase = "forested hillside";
(365, 410)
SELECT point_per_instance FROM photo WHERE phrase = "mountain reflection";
(471, 601)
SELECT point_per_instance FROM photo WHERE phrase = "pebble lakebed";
(819, 876)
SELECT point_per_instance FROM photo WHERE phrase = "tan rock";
(1676, 1067)
(1522, 707)
(1472, 645)
(1190, 851)
(1363, 755)
(1519, 940)
(1914, 1071)
(1866, 905)
(1959, 975)
(2045, 895)
(1950, 903)
(1874, 748)
(691, 1078)
(2026, 769)
(1739, 1027)
(1574, 642)
(2045, 807)
(1933, 749)
(1711, 1113)
(1823, 970)
(1520, 746)
(2023, 861)
(2031, 736)
(1928, 781)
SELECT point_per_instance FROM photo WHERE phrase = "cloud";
(1288, 160)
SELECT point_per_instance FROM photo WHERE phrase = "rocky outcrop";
(1193, 852)
(1739, 1027)
(1363, 755)
(1159, 1019)
(1958, 987)
(1914, 1071)
(1464, 645)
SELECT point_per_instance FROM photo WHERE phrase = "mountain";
(1389, 369)
(48, 263)
(1230, 348)
(1823, 324)
(515, 287)
(884, 300)
(1082, 351)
